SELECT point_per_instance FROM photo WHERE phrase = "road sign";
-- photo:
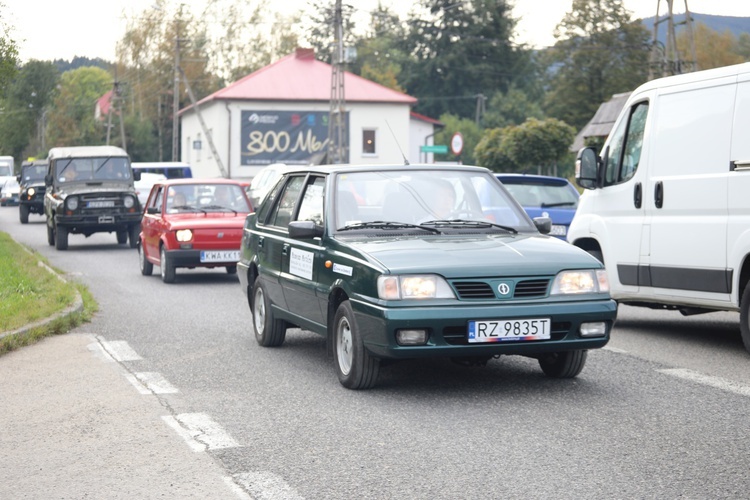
(437, 148)
(457, 143)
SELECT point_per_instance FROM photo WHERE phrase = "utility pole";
(666, 60)
(336, 122)
(176, 97)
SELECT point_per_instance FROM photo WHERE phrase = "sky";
(48, 30)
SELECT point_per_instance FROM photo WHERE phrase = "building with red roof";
(279, 114)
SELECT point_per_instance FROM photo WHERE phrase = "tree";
(712, 49)
(511, 108)
(28, 98)
(460, 52)
(599, 52)
(491, 152)
(540, 144)
(71, 120)
(468, 129)
(743, 46)
(379, 55)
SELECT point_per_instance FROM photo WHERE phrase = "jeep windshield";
(112, 168)
(33, 173)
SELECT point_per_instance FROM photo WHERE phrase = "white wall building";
(279, 114)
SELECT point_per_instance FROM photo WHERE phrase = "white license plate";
(220, 256)
(101, 204)
(509, 330)
(558, 230)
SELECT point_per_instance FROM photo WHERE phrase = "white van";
(667, 204)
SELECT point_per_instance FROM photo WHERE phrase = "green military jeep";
(32, 188)
(90, 190)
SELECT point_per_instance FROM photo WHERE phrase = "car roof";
(85, 152)
(531, 179)
(194, 180)
(336, 169)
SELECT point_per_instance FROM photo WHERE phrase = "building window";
(368, 142)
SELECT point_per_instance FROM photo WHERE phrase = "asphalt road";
(662, 412)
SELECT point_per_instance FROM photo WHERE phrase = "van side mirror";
(48, 180)
(587, 168)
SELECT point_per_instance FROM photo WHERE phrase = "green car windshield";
(425, 197)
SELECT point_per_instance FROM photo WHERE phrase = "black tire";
(231, 269)
(745, 316)
(269, 331)
(23, 213)
(146, 267)
(563, 364)
(50, 235)
(134, 235)
(167, 268)
(355, 367)
(61, 237)
(122, 236)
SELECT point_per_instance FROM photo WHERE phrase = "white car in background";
(9, 192)
(264, 181)
(143, 186)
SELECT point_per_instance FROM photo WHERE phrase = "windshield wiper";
(379, 224)
(220, 207)
(473, 223)
(561, 204)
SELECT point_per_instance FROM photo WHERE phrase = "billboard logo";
(255, 118)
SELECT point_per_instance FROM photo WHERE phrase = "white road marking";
(151, 383)
(237, 489)
(266, 486)
(614, 349)
(120, 350)
(200, 432)
(717, 382)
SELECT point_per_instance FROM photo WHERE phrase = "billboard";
(292, 137)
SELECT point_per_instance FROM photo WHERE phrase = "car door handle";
(638, 195)
(261, 240)
(659, 195)
(285, 250)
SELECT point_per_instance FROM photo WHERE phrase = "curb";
(76, 307)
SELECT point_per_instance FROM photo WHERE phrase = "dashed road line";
(119, 350)
(716, 382)
(151, 383)
(200, 432)
(266, 486)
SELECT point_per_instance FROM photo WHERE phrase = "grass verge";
(29, 292)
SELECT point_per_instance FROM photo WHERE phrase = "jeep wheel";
(50, 235)
(563, 364)
(134, 234)
(122, 236)
(269, 331)
(61, 237)
(167, 268)
(146, 267)
(231, 269)
(355, 367)
(745, 316)
(23, 213)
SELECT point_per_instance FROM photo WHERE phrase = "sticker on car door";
(301, 263)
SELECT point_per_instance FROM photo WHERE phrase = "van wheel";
(269, 331)
(563, 364)
(61, 237)
(745, 316)
(355, 367)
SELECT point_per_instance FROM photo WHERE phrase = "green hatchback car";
(413, 261)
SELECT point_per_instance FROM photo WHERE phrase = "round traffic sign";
(457, 143)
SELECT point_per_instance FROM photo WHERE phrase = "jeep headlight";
(184, 235)
(580, 281)
(128, 201)
(415, 286)
(30, 192)
(71, 203)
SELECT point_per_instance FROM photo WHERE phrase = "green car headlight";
(417, 286)
(184, 235)
(581, 281)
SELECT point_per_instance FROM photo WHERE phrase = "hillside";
(735, 25)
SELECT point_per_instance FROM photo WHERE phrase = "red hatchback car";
(192, 223)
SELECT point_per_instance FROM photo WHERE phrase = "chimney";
(301, 53)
